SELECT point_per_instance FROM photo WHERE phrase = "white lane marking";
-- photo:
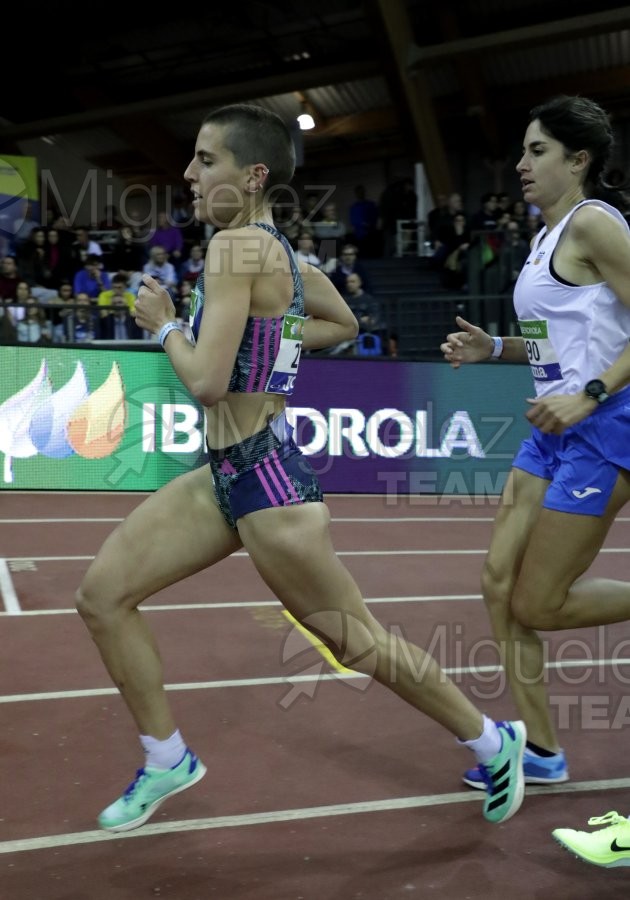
(248, 604)
(243, 554)
(245, 820)
(7, 591)
(341, 519)
(290, 680)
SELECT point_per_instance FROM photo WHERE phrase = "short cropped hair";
(256, 135)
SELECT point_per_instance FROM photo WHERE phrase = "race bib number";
(540, 353)
(283, 374)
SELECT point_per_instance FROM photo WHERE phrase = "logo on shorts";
(582, 495)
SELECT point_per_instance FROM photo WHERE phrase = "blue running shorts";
(583, 463)
(265, 470)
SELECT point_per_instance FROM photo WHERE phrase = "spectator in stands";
(128, 255)
(117, 324)
(66, 240)
(59, 258)
(365, 307)
(33, 265)
(192, 267)
(451, 253)
(485, 219)
(82, 324)
(9, 278)
(329, 233)
(182, 213)
(34, 328)
(83, 247)
(117, 291)
(349, 264)
(60, 307)
(504, 202)
(440, 220)
(91, 279)
(17, 309)
(518, 214)
(32, 258)
(12, 311)
(485, 243)
(169, 237)
(306, 250)
(161, 269)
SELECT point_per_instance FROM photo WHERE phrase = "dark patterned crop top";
(269, 352)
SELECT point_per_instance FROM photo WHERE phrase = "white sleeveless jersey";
(572, 333)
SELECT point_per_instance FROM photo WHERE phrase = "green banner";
(94, 419)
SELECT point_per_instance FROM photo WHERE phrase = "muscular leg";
(561, 548)
(291, 549)
(520, 647)
(176, 532)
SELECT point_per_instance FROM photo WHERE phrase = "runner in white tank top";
(572, 475)
(572, 332)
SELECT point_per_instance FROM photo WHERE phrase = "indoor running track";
(320, 786)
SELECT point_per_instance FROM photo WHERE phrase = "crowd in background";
(64, 284)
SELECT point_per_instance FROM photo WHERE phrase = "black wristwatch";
(596, 390)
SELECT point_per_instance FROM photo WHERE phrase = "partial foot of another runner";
(609, 847)
(536, 769)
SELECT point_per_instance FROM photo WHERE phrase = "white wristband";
(497, 348)
(165, 330)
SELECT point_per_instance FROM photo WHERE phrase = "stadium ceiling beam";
(366, 122)
(608, 86)
(397, 25)
(470, 78)
(529, 35)
(228, 93)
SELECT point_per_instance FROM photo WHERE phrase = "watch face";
(595, 389)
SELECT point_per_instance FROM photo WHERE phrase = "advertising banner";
(118, 419)
(19, 197)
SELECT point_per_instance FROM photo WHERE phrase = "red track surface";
(347, 793)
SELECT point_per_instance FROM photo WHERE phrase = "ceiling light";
(306, 121)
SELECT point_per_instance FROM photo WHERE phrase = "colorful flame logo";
(60, 423)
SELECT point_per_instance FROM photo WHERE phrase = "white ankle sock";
(487, 744)
(163, 754)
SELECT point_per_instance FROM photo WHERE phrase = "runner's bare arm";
(331, 320)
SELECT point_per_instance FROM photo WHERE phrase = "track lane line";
(293, 680)
(7, 591)
(246, 820)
